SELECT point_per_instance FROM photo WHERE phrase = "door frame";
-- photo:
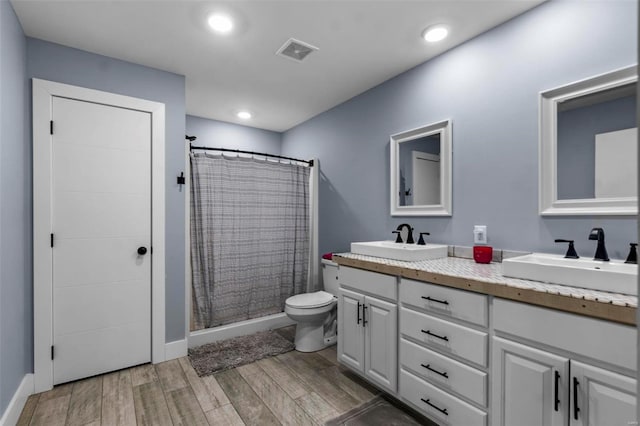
(43, 92)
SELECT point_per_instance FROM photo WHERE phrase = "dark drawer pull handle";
(442, 410)
(445, 338)
(576, 409)
(428, 367)
(364, 315)
(358, 314)
(444, 302)
(557, 398)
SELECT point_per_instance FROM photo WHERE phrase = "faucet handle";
(571, 250)
(399, 237)
(421, 241)
(633, 254)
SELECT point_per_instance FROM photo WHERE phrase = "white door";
(101, 216)
(530, 386)
(600, 397)
(426, 178)
(350, 330)
(381, 331)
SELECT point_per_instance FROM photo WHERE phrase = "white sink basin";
(398, 251)
(614, 276)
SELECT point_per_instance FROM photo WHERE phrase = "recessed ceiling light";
(435, 33)
(220, 23)
(244, 115)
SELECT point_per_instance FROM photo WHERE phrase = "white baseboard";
(14, 409)
(177, 349)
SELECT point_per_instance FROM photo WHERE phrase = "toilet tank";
(330, 276)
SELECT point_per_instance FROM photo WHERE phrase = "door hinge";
(151, 249)
(51, 240)
(51, 127)
(52, 352)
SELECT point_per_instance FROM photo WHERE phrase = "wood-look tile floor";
(290, 389)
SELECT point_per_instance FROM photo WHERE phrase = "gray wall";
(16, 348)
(220, 134)
(71, 66)
(577, 130)
(489, 88)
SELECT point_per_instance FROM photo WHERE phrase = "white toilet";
(315, 313)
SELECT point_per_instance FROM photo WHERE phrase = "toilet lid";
(310, 300)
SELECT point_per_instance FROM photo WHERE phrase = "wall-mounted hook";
(181, 180)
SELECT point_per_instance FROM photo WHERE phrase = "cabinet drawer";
(460, 304)
(449, 374)
(446, 336)
(369, 282)
(458, 412)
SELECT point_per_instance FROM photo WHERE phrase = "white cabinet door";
(529, 386)
(350, 330)
(600, 397)
(381, 330)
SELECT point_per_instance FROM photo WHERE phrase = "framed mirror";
(588, 146)
(421, 171)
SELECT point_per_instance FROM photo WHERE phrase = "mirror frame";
(444, 208)
(549, 205)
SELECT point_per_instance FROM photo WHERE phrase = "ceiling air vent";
(295, 49)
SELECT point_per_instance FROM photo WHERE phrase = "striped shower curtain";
(249, 237)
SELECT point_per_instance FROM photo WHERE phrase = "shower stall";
(252, 240)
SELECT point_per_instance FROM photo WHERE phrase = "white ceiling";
(361, 44)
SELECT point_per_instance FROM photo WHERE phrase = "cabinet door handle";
(364, 315)
(442, 410)
(557, 398)
(576, 409)
(445, 338)
(444, 302)
(428, 367)
(358, 314)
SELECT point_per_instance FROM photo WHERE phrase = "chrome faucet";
(597, 234)
(409, 233)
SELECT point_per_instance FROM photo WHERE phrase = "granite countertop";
(488, 279)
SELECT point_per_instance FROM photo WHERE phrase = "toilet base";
(309, 337)
(312, 338)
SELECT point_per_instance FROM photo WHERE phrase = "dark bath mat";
(377, 412)
(226, 354)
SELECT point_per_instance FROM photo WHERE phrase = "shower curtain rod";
(239, 151)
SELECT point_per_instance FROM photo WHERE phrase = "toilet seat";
(317, 299)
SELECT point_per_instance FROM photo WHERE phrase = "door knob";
(142, 251)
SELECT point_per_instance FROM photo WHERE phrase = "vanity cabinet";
(368, 325)
(545, 380)
(466, 358)
(444, 347)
